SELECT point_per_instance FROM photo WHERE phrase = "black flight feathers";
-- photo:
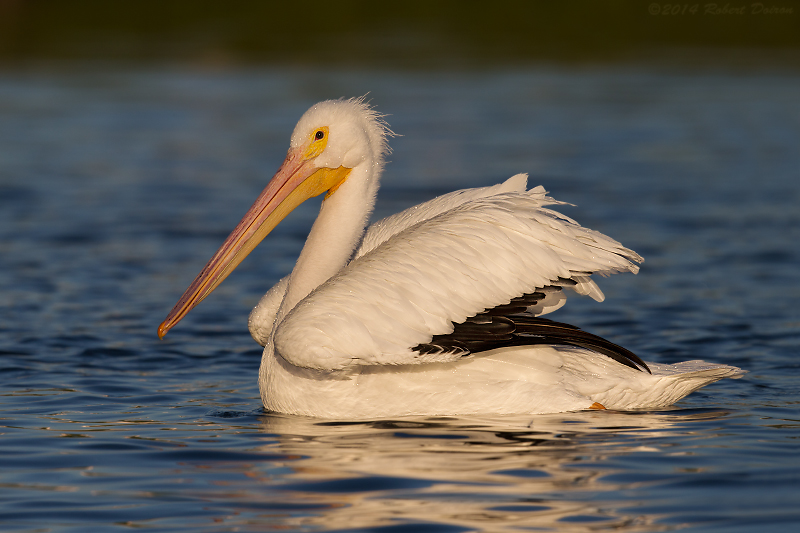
(509, 325)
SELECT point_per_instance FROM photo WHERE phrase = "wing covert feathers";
(383, 229)
(466, 254)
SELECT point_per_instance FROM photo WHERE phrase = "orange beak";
(297, 180)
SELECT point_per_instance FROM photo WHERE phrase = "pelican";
(435, 310)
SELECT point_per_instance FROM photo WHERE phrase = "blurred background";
(409, 35)
(404, 35)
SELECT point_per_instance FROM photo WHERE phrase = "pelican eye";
(318, 140)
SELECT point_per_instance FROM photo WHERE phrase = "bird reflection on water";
(499, 473)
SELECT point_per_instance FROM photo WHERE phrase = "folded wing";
(417, 283)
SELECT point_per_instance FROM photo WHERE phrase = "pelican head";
(340, 133)
(330, 140)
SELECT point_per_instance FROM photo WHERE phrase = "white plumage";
(441, 270)
(384, 322)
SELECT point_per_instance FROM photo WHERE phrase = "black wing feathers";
(509, 325)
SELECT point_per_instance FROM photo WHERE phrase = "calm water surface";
(117, 186)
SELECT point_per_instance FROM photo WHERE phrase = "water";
(117, 185)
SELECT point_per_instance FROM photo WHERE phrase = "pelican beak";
(297, 180)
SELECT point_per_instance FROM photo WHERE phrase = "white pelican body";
(431, 311)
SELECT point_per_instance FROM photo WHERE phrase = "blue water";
(117, 185)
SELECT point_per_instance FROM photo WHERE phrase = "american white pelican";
(432, 311)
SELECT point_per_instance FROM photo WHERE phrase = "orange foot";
(596, 405)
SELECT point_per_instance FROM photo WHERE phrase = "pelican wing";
(385, 228)
(263, 315)
(416, 284)
(491, 329)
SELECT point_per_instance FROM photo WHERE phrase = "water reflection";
(168, 466)
(476, 473)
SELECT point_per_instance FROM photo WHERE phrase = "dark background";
(415, 35)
